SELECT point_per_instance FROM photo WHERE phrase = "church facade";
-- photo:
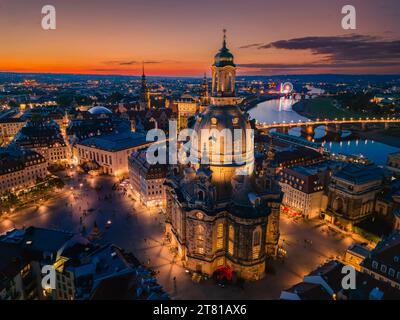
(224, 214)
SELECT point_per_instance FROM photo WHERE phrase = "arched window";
(256, 243)
(230, 83)
(200, 195)
(200, 233)
(338, 205)
(256, 237)
(220, 236)
(231, 235)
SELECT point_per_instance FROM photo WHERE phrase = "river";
(279, 110)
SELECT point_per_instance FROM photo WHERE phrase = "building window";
(231, 239)
(200, 195)
(383, 268)
(220, 236)
(256, 243)
(391, 272)
(200, 239)
(256, 238)
(374, 265)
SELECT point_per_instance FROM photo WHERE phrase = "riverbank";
(250, 104)
(321, 108)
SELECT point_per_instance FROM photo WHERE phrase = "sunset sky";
(180, 37)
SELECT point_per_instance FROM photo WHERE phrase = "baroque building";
(353, 192)
(221, 213)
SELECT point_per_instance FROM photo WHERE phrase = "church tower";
(144, 93)
(204, 99)
(223, 77)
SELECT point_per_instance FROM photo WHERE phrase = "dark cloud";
(359, 64)
(346, 51)
(249, 46)
(129, 62)
(352, 47)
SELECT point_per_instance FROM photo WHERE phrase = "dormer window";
(383, 268)
(374, 265)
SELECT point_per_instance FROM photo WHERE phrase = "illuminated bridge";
(334, 126)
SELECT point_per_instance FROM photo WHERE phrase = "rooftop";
(358, 250)
(360, 173)
(99, 110)
(387, 251)
(309, 291)
(116, 141)
(37, 239)
(13, 158)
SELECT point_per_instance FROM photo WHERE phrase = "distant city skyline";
(177, 38)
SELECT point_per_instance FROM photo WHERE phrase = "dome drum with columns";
(215, 216)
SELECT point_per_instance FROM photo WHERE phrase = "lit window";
(200, 239)
(220, 236)
(231, 239)
(256, 238)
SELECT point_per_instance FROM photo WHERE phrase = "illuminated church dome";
(229, 122)
(99, 110)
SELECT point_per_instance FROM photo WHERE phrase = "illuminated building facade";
(109, 153)
(147, 180)
(43, 136)
(352, 193)
(303, 192)
(187, 107)
(20, 169)
(9, 127)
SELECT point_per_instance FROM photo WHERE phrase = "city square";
(141, 231)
